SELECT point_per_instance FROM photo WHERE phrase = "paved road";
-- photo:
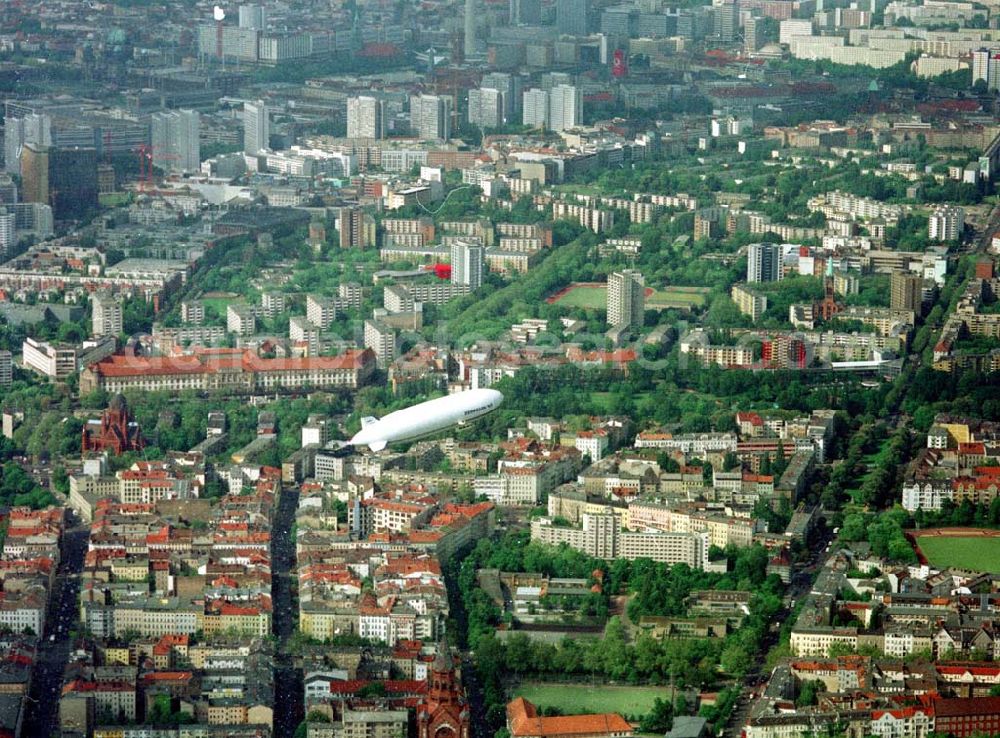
(41, 716)
(288, 707)
(474, 693)
(799, 587)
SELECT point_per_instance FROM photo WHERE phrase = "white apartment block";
(256, 127)
(486, 108)
(193, 312)
(926, 495)
(750, 302)
(365, 117)
(383, 340)
(696, 444)
(565, 107)
(350, 294)
(430, 117)
(273, 304)
(535, 108)
(626, 299)
(59, 361)
(601, 536)
(241, 320)
(638, 211)
(6, 369)
(321, 311)
(946, 223)
(302, 331)
(8, 231)
(397, 299)
(595, 219)
(106, 314)
(817, 641)
(592, 443)
(793, 27)
(176, 136)
(437, 293)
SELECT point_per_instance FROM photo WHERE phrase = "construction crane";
(146, 156)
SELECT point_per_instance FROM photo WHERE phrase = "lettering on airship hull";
(478, 410)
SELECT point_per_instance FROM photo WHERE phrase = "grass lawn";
(976, 553)
(113, 199)
(218, 304)
(584, 698)
(595, 297)
(677, 297)
(581, 189)
(603, 399)
(590, 298)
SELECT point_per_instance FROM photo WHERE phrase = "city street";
(41, 714)
(802, 581)
(288, 707)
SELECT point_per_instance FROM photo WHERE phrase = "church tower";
(444, 712)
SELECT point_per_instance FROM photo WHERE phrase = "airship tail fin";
(368, 420)
(377, 445)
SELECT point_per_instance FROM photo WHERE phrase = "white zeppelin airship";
(426, 418)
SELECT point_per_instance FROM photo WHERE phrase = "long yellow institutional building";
(227, 370)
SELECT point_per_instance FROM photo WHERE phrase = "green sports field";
(585, 296)
(595, 297)
(677, 297)
(975, 553)
(574, 699)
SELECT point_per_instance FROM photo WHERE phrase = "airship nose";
(496, 397)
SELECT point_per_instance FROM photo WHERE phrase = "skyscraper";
(571, 17)
(253, 16)
(726, 17)
(34, 217)
(6, 369)
(626, 299)
(469, 45)
(535, 111)
(365, 117)
(525, 12)
(8, 235)
(467, 263)
(356, 228)
(757, 31)
(509, 88)
(946, 223)
(256, 127)
(106, 315)
(763, 262)
(486, 108)
(565, 107)
(906, 292)
(33, 128)
(8, 189)
(619, 23)
(176, 140)
(430, 117)
(65, 178)
(986, 67)
(980, 65)
(35, 173)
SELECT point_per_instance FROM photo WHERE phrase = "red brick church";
(115, 431)
(443, 713)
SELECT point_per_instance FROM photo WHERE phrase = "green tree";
(659, 719)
